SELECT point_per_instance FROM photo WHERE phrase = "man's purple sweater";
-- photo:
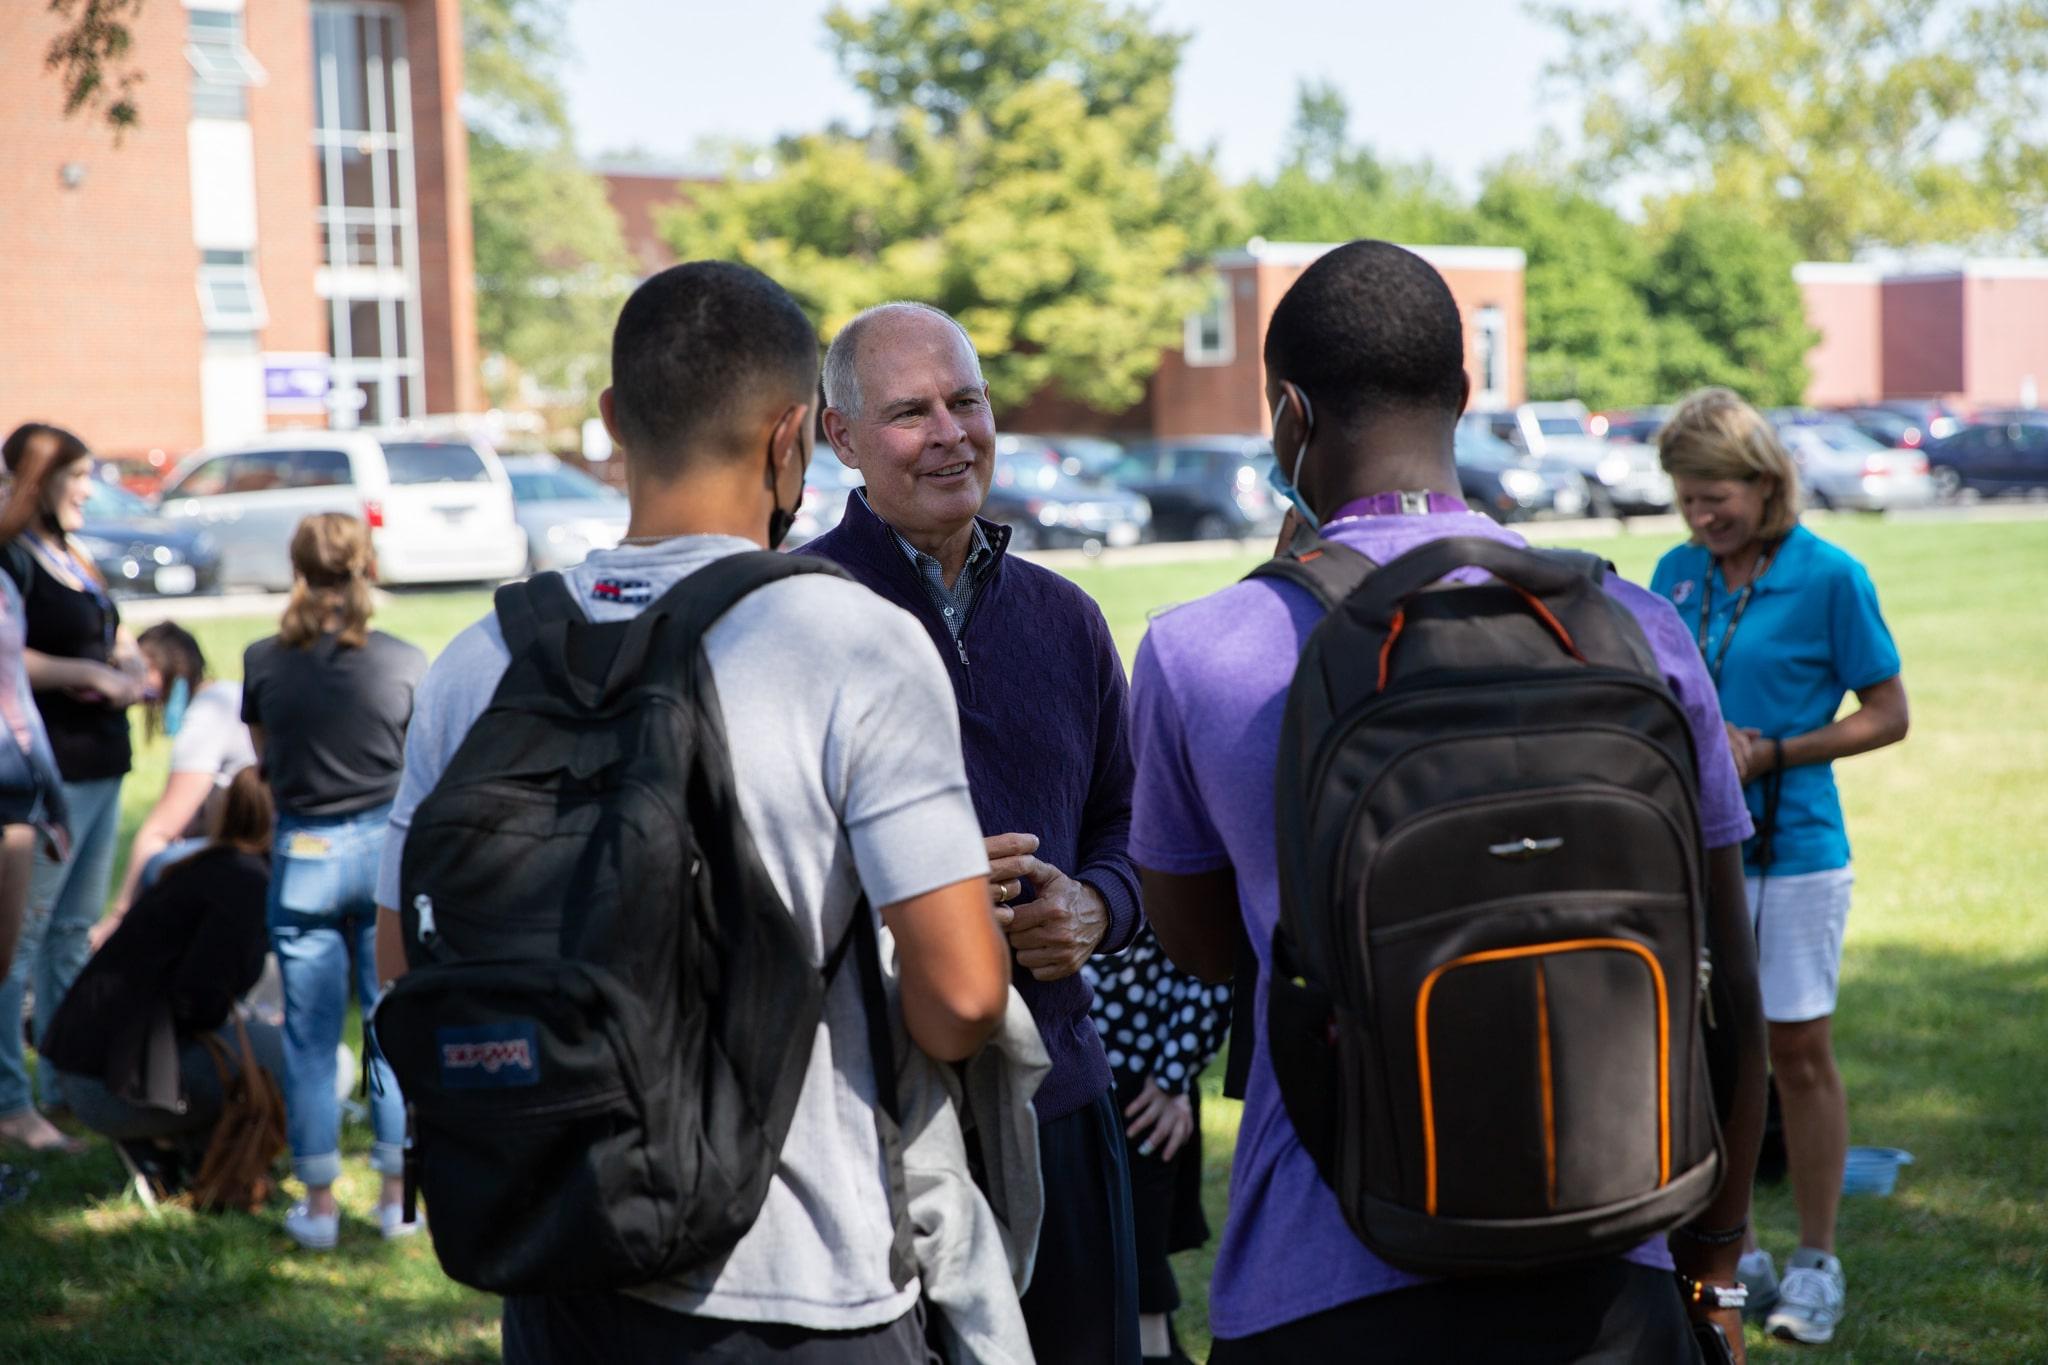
(1045, 736)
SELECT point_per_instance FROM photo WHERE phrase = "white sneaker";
(315, 1232)
(1811, 1299)
(391, 1218)
(1757, 1273)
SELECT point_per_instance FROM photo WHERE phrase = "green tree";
(1726, 307)
(994, 187)
(949, 58)
(1331, 190)
(86, 56)
(1851, 123)
(551, 266)
(1588, 323)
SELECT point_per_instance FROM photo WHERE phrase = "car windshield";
(1030, 471)
(1848, 440)
(559, 485)
(111, 502)
(1560, 426)
(1478, 449)
(434, 462)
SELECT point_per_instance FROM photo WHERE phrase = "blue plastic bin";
(1873, 1170)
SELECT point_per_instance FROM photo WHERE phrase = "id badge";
(303, 845)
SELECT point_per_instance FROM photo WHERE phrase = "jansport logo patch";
(490, 1055)
(630, 592)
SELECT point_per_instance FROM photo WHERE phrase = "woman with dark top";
(187, 950)
(1789, 626)
(85, 672)
(327, 701)
(1160, 1027)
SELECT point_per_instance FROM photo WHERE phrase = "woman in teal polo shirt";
(1789, 626)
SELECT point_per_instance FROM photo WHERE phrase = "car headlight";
(1613, 469)
(164, 555)
(1523, 483)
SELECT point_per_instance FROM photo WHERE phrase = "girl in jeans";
(327, 700)
(85, 672)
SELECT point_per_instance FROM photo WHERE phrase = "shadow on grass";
(86, 1273)
(1946, 1055)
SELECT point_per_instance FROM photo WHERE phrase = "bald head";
(890, 327)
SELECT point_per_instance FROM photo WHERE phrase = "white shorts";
(1799, 941)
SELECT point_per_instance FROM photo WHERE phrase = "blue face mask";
(1285, 485)
(174, 706)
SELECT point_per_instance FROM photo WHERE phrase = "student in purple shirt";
(1369, 341)
(1041, 700)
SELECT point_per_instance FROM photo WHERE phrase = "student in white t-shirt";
(209, 745)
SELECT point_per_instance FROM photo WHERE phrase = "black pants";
(615, 1329)
(1166, 1197)
(1614, 1313)
(1082, 1307)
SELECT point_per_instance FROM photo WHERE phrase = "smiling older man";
(1041, 697)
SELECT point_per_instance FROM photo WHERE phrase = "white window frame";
(1221, 311)
(214, 273)
(1490, 331)
(222, 66)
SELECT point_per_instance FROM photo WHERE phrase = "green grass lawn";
(1943, 1034)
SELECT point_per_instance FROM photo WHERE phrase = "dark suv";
(1204, 487)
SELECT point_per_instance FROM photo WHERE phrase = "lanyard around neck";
(1719, 659)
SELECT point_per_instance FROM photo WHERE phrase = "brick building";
(1976, 330)
(284, 239)
(638, 193)
(1215, 383)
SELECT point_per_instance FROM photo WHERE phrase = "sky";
(1459, 81)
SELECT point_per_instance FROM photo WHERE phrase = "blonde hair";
(1714, 435)
(331, 567)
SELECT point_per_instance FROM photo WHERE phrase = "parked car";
(1936, 417)
(439, 511)
(1625, 479)
(1507, 485)
(1841, 467)
(1088, 457)
(1884, 426)
(142, 554)
(141, 474)
(563, 511)
(1204, 487)
(827, 486)
(1992, 458)
(1624, 425)
(1047, 508)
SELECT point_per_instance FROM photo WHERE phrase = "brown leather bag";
(236, 1172)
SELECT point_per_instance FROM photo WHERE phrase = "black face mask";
(780, 521)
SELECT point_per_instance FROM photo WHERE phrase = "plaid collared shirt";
(955, 602)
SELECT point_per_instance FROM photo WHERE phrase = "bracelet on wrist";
(1718, 1237)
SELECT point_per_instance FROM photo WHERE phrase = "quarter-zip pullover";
(1045, 735)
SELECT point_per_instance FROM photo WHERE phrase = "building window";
(230, 298)
(1490, 342)
(222, 69)
(363, 163)
(1212, 333)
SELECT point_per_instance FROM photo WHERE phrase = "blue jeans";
(323, 926)
(64, 901)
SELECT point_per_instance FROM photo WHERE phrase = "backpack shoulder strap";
(1328, 571)
(865, 941)
(523, 608)
(694, 605)
(1583, 562)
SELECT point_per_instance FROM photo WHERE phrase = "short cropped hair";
(1714, 435)
(692, 344)
(1370, 328)
(842, 358)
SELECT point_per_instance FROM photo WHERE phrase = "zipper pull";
(1706, 980)
(423, 906)
(962, 649)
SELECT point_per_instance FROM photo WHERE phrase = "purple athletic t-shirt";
(1207, 695)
